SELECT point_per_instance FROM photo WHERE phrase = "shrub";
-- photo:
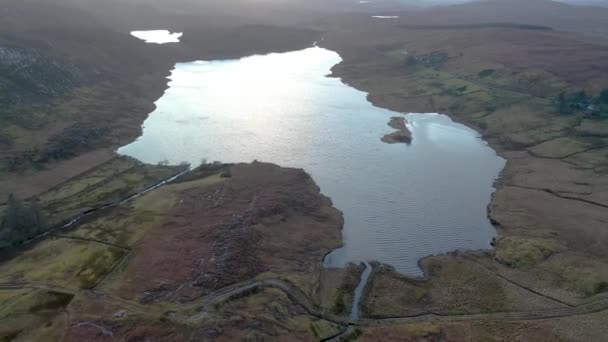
(603, 98)
(486, 73)
(21, 222)
(411, 60)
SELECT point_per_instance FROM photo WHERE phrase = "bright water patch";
(157, 36)
(400, 202)
(385, 16)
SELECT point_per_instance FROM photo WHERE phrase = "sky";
(574, 2)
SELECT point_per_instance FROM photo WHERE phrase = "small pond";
(158, 36)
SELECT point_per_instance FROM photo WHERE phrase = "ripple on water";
(400, 202)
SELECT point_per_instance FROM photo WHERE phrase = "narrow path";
(103, 330)
(557, 194)
(340, 335)
(74, 291)
(37, 286)
(291, 291)
(90, 187)
(536, 155)
(597, 305)
(71, 237)
(76, 219)
(113, 270)
(514, 283)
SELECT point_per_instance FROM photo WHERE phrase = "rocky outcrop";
(402, 135)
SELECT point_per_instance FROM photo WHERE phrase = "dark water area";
(400, 202)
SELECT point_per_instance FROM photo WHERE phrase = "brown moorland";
(225, 250)
(550, 207)
(497, 66)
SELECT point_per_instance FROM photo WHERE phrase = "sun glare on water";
(158, 36)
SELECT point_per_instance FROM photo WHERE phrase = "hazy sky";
(592, 2)
(576, 2)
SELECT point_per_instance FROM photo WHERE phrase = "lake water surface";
(157, 36)
(400, 202)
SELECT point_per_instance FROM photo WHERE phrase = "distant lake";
(157, 36)
(400, 202)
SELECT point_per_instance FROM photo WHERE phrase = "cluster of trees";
(580, 101)
(21, 221)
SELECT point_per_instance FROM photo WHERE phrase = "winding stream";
(400, 202)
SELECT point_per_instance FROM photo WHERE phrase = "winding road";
(206, 304)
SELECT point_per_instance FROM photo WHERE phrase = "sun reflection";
(240, 91)
(158, 36)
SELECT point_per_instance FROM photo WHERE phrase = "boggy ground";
(551, 204)
(224, 252)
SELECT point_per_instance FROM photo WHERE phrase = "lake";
(157, 36)
(400, 202)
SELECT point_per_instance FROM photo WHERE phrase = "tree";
(580, 99)
(11, 217)
(21, 222)
(603, 98)
(39, 219)
(411, 60)
(564, 107)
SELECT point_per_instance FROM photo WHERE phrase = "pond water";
(158, 36)
(400, 202)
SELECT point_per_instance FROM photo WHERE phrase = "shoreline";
(130, 130)
(520, 187)
(546, 253)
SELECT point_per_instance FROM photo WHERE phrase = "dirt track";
(206, 304)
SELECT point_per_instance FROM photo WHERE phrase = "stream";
(79, 217)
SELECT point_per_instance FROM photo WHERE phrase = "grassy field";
(108, 184)
(337, 287)
(142, 268)
(453, 286)
(578, 328)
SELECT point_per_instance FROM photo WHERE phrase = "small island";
(402, 135)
